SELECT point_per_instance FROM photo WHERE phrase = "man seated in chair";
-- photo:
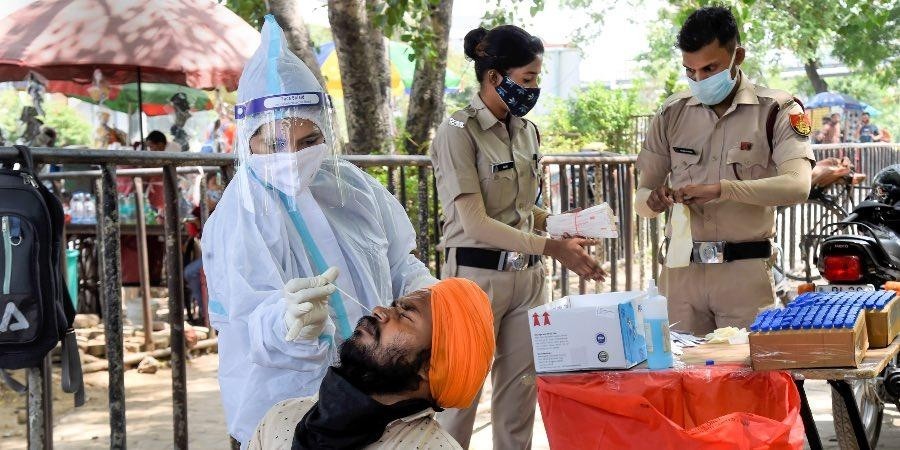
(429, 350)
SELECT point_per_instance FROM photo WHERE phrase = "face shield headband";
(279, 102)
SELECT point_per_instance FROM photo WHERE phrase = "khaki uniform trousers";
(703, 297)
(514, 398)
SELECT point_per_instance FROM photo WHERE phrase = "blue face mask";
(714, 89)
(520, 100)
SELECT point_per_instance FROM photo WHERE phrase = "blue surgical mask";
(714, 89)
(520, 100)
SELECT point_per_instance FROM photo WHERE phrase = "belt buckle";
(515, 261)
(709, 252)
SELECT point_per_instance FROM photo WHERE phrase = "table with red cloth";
(696, 407)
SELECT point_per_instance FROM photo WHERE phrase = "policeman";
(732, 151)
(486, 162)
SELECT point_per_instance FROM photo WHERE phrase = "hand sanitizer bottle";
(656, 323)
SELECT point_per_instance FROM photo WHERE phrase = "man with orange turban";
(429, 350)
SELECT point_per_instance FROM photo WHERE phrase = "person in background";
(867, 131)
(825, 135)
(838, 136)
(156, 142)
(431, 349)
(214, 139)
(710, 148)
(886, 135)
(193, 270)
(487, 167)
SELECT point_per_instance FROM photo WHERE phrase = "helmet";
(886, 185)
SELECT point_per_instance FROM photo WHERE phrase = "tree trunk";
(363, 103)
(288, 15)
(382, 63)
(427, 96)
(812, 72)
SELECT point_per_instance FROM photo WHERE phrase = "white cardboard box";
(584, 332)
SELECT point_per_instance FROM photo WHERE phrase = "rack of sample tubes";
(819, 316)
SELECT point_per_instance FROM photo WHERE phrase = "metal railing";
(568, 182)
(110, 268)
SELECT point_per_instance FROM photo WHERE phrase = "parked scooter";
(865, 247)
(863, 253)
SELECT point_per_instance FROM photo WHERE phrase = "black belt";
(719, 252)
(481, 258)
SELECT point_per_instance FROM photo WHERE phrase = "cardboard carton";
(813, 348)
(883, 325)
(584, 332)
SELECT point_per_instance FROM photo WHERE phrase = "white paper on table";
(681, 244)
(598, 221)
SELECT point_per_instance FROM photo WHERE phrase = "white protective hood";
(248, 256)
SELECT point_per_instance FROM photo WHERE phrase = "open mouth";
(368, 325)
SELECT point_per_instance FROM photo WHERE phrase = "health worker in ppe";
(298, 237)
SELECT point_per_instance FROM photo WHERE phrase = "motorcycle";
(862, 252)
(867, 250)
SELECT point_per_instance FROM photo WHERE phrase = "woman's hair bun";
(472, 41)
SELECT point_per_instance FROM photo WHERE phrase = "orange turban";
(462, 342)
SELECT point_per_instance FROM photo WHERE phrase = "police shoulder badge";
(800, 124)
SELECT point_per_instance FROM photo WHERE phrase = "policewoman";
(487, 164)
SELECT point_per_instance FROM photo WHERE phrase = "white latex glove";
(306, 305)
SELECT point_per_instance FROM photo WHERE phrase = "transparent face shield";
(284, 146)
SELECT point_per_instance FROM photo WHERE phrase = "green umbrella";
(155, 98)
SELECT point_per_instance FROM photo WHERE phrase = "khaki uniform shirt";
(689, 144)
(474, 152)
(416, 432)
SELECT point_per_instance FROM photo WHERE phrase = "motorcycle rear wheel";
(871, 411)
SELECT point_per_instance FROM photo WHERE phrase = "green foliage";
(252, 11)
(411, 20)
(10, 110)
(71, 128)
(860, 33)
(592, 114)
(456, 101)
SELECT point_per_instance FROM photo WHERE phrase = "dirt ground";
(149, 414)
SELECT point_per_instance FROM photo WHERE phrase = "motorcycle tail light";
(843, 268)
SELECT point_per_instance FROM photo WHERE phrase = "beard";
(379, 371)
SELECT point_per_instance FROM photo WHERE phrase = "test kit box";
(883, 324)
(586, 332)
(809, 348)
(882, 310)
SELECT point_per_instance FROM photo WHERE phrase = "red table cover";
(703, 408)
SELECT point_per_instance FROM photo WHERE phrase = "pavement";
(149, 414)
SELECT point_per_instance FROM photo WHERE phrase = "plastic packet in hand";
(595, 222)
(682, 244)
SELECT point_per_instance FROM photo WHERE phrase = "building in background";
(561, 74)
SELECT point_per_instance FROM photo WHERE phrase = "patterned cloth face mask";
(520, 100)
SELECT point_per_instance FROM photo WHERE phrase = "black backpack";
(35, 309)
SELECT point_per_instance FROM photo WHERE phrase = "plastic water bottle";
(77, 208)
(656, 323)
(126, 208)
(90, 210)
